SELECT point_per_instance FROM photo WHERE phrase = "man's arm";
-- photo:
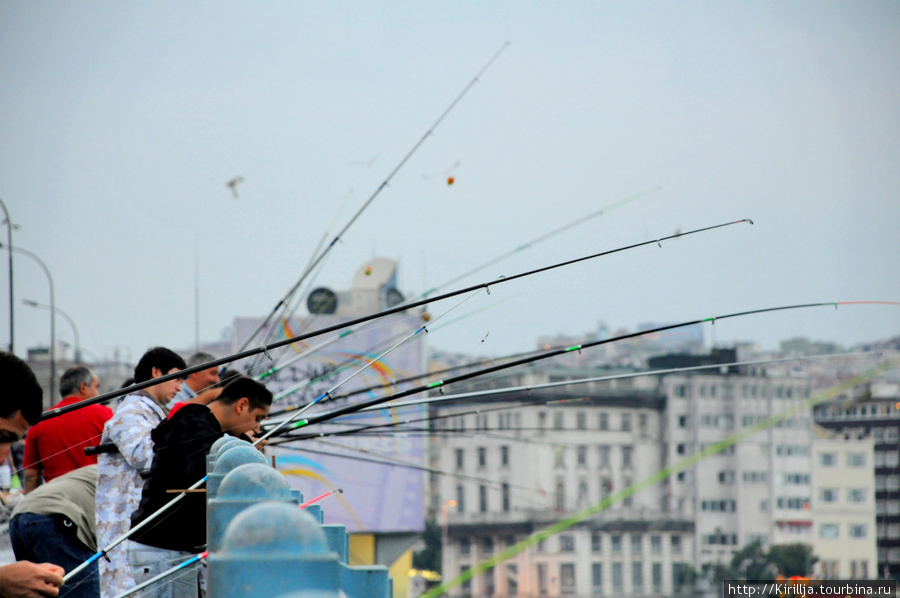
(28, 580)
(32, 478)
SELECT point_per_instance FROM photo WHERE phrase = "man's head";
(21, 401)
(243, 404)
(157, 362)
(79, 381)
(204, 378)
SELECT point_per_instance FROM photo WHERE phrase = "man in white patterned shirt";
(119, 482)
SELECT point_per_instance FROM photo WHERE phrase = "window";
(856, 495)
(616, 541)
(567, 578)
(582, 455)
(482, 456)
(657, 578)
(755, 477)
(542, 421)
(459, 458)
(582, 493)
(636, 544)
(560, 495)
(566, 543)
(581, 420)
(681, 449)
(829, 495)
(487, 545)
(828, 530)
(542, 578)
(603, 453)
(504, 491)
(626, 422)
(726, 477)
(618, 582)
(558, 420)
(603, 423)
(828, 459)
(460, 499)
(606, 486)
(596, 542)
(637, 577)
(465, 546)
(597, 577)
(466, 585)
(858, 531)
(559, 456)
(676, 544)
(656, 544)
(626, 502)
(856, 459)
(627, 452)
(504, 456)
(482, 498)
(682, 421)
(642, 422)
(794, 503)
(512, 579)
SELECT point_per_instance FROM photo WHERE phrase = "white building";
(844, 506)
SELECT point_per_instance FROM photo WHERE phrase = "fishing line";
(384, 184)
(486, 285)
(659, 476)
(544, 237)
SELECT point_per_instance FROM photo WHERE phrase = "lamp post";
(52, 310)
(68, 318)
(9, 229)
(444, 537)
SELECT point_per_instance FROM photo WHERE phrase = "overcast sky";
(120, 124)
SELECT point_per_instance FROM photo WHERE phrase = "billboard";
(378, 469)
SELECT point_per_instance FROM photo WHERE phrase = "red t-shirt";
(57, 445)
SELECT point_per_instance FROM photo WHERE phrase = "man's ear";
(155, 372)
(242, 405)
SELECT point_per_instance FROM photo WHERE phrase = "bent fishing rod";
(528, 244)
(535, 387)
(439, 384)
(315, 262)
(156, 514)
(264, 349)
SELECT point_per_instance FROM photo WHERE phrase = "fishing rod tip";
(340, 490)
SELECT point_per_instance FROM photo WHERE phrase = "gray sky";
(121, 123)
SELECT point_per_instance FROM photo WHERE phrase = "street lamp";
(68, 318)
(52, 310)
(9, 229)
(444, 538)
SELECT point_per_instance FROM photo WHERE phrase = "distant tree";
(792, 559)
(430, 556)
(752, 562)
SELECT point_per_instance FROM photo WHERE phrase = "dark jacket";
(180, 447)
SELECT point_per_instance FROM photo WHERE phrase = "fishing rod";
(399, 381)
(377, 191)
(544, 237)
(264, 349)
(203, 555)
(155, 515)
(445, 398)
(659, 476)
(539, 239)
(441, 383)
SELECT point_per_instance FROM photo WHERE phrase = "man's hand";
(252, 436)
(29, 580)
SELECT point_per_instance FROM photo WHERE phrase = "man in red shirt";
(56, 446)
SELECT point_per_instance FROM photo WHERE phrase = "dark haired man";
(21, 401)
(56, 446)
(180, 447)
(119, 480)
